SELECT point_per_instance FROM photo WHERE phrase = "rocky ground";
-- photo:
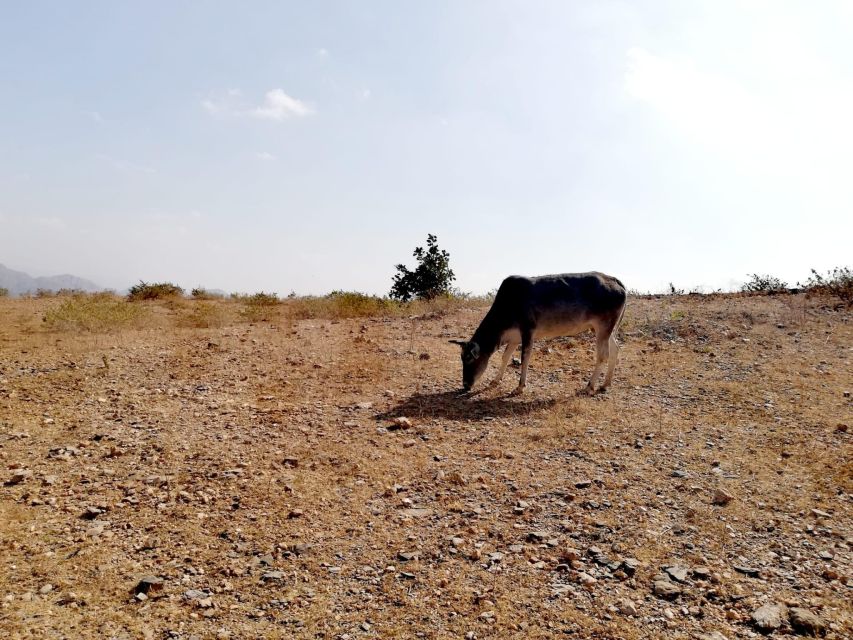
(322, 479)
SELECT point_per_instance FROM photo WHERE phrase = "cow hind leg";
(611, 361)
(602, 350)
(526, 351)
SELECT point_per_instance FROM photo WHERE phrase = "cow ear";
(461, 343)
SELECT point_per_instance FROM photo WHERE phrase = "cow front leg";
(510, 349)
(602, 350)
(526, 351)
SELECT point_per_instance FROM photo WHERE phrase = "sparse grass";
(154, 291)
(205, 315)
(97, 313)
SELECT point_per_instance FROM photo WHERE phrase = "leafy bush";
(4, 292)
(154, 291)
(430, 279)
(764, 284)
(838, 283)
(98, 313)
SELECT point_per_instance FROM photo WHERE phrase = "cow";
(527, 309)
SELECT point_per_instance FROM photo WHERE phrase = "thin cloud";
(277, 105)
(265, 155)
(280, 106)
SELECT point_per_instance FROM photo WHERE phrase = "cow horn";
(461, 343)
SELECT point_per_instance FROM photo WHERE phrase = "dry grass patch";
(98, 313)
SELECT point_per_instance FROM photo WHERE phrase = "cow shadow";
(451, 405)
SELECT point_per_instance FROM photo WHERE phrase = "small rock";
(701, 573)
(711, 635)
(91, 513)
(22, 475)
(627, 607)
(148, 584)
(817, 513)
(679, 574)
(665, 589)
(805, 622)
(583, 484)
(569, 554)
(408, 556)
(752, 572)
(295, 513)
(768, 617)
(630, 566)
(585, 579)
(721, 498)
(400, 423)
(272, 576)
(46, 589)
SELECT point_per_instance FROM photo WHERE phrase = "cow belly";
(558, 330)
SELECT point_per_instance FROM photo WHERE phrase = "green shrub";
(764, 284)
(4, 292)
(154, 291)
(97, 313)
(430, 279)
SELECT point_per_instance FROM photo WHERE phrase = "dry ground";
(256, 470)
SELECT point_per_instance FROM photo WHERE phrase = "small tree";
(430, 279)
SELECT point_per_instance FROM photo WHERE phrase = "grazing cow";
(527, 309)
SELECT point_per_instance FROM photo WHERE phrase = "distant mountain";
(18, 282)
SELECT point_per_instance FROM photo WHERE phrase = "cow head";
(474, 362)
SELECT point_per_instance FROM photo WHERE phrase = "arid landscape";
(186, 469)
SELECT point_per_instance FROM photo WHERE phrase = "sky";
(311, 146)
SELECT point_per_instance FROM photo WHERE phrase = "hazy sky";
(310, 146)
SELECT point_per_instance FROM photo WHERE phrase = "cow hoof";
(517, 391)
(586, 391)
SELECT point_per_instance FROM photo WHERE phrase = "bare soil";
(256, 470)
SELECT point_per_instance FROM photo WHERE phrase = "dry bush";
(200, 293)
(98, 313)
(259, 307)
(154, 291)
(837, 283)
(341, 304)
